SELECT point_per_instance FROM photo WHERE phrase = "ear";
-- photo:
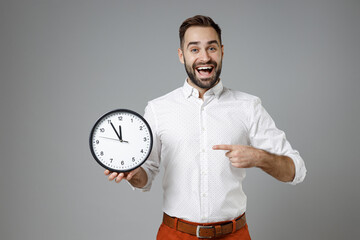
(181, 55)
(222, 51)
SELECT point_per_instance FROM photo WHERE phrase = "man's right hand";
(136, 177)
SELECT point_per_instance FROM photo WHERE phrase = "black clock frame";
(93, 129)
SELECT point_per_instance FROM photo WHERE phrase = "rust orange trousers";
(167, 233)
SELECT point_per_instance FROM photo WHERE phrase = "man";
(205, 135)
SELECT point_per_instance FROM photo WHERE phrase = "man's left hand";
(241, 156)
(279, 166)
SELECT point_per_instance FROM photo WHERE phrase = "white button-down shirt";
(200, 184)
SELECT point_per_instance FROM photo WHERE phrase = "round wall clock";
(121, 140)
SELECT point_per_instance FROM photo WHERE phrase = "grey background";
(65, 63)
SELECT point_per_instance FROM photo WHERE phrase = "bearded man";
(205, 136)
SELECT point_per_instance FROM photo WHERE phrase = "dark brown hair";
(198, 20)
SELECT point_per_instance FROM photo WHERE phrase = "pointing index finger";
(223, 147)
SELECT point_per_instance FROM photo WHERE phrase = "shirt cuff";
(300, 170)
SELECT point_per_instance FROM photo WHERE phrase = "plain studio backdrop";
(65, 63)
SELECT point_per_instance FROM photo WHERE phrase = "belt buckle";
(198, 227)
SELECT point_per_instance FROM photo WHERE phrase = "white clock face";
(121, 140)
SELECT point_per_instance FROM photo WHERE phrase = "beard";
(204, 83)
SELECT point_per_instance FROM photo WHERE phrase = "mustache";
(205, 63)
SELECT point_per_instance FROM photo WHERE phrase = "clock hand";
(110, 138)
(117, 134)
(120, 132)
(121, 135)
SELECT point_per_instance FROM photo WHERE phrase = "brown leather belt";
(211, 230)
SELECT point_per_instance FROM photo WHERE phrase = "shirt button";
(204, 194)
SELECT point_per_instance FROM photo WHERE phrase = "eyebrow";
(197, 43)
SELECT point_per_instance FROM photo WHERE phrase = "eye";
(194, 50)
(212, 49)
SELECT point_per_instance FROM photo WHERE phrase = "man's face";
(202, 55)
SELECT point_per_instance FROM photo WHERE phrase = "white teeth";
(204, 68)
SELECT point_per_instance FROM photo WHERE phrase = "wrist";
(140, 179)
(264, 159)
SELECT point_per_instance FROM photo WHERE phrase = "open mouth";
(205, 71)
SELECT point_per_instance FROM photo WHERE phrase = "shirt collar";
(191, 91)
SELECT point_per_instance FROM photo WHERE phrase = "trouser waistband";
(211, 230)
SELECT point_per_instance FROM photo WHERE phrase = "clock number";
(102, 129)
(97, 141)
(120, 118)
(132, 120)
(141, 128)
(102, 153)
(145, 139)
(122, 162)
(111, 160)
(142, 151)
(133, 159)
(109, 121)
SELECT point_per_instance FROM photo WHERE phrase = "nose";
(204, 56)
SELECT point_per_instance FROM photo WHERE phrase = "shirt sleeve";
(263, 134)
(152, 164)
